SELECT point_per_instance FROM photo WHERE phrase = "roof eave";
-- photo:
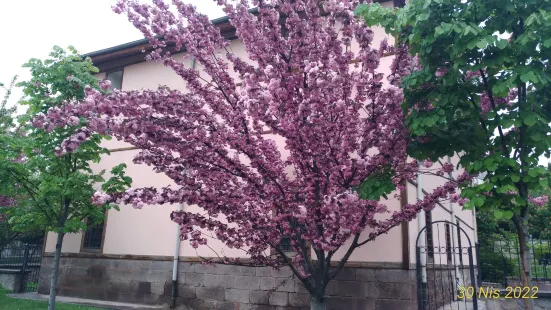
(119, 56)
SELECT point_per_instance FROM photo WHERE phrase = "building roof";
(116, 57)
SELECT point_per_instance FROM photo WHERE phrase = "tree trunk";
(317, 303)
(55, 272)
(526, 265)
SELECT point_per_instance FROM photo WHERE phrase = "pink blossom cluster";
(456, 198)
(447, 168)
(339, 125)
(440, 72)
(539, 201)
(100, 198)
(441, 170)
(6, 201)
(403, 65)
(473, 74)
(22, 158)
(486, 103)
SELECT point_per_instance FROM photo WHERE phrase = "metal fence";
(26, 258)
(445, 262)
(500, 262)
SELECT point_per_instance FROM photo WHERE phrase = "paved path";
(88, 302)
(461, 305)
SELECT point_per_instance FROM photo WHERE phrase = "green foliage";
(7, 113)
(54, 192)
(7, 116)
(498, 248)
(8, 235)
(541, 249)
(49, 86)
(488, 227)
(540, 222)
(540, 217)
(377, 185)
(375, 14)
(473, 55)
(118, 182)
(495, 266)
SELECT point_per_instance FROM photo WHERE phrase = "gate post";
(420, 288)
(24, 269)
(479, 275)
(473, 279)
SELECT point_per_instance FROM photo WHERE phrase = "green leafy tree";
(7, 234)
(479, 87)
(53, 190)
(540, 222)
(540, 216)
(7, 113)
(7, 127)
(491, 230)
(494, 235)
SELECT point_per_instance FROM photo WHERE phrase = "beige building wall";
(465, 218)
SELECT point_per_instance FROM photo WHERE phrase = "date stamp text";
(510, 292)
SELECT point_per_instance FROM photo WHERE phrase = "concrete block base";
(226, 287)
(10, 279)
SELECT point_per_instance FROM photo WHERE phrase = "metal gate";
(445, 268)
(25, 258)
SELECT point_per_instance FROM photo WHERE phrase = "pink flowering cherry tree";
(310, 78)
(5, 202)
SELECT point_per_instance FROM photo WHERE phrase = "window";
(285, 241)
(430, 239)
(285, 244)
(459, 248)
(93, 237)
(115, 77)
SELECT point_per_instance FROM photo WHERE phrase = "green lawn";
(9, 303)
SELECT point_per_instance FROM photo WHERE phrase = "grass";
(538, 271)
(10, 303)
(541, 271)
(31, 286)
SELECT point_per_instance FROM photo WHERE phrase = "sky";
(30, 28)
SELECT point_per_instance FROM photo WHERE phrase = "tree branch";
(492, 101)
(345, 258)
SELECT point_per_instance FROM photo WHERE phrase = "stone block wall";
(226, 287)
(542, 284)
(10, 279)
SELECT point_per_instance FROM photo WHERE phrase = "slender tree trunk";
(521, 222)
(53, 283)
(526, 264)
(317, 303)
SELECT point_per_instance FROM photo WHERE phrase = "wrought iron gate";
(445, 268)
(25, 258)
